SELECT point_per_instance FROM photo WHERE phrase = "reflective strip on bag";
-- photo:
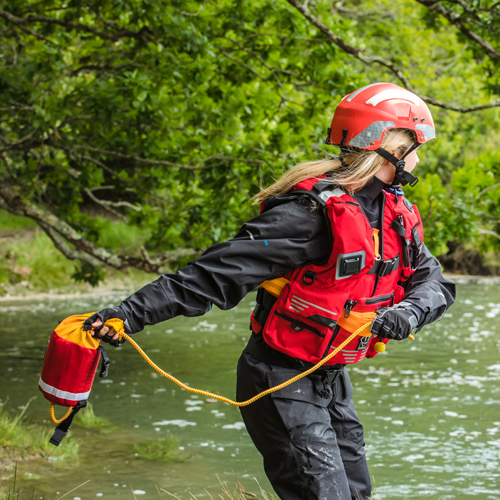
(72, 396)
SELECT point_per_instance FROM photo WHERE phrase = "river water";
(431, 407)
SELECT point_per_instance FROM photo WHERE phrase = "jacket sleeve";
(287, 236)
(427, 291)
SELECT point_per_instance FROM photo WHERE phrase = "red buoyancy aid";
(303, 320)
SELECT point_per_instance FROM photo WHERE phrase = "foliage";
(169, 116)
(240, 493)
(164, 449)
(87, 418)
(19, 439)
(33, 258)
(29, 262)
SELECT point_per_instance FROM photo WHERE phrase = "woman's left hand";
(395, 322)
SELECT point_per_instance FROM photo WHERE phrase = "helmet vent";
(405, 95)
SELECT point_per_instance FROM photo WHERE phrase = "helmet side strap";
(402, 177)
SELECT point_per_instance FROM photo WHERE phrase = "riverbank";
(113, 286)
(22, 441)
(31, 266)
(128, 284)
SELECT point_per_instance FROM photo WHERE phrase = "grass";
(9, 222)
(13, 489)
(29, 260)
(33, 260)
(163, 449)
(240, 493)
(87, 418)
(20, 440)
(10, 493)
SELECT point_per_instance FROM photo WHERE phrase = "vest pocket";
(298, 326)
(303, 324)
(292, 335)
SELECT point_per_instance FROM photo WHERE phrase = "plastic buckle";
(384, 267)
(57, 437)
(414, 256)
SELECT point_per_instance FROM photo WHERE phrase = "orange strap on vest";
(376, 243)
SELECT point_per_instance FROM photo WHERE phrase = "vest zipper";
(404, 243)
(348, 307)
(332, 338)
(381, 298)
(381, 235)
(381, 241)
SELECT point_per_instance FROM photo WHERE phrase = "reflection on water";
(430, 407)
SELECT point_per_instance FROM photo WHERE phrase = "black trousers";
(308, 433)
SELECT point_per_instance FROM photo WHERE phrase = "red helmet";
(362, 117)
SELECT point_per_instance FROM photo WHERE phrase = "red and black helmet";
(362, 117)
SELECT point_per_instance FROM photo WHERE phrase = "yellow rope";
(53, 416)
(216, 396)
(258, 396)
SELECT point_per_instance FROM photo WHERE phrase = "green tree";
(170, 116)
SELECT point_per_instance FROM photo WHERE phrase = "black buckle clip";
(384, 267)
(388, 266)
(330, 376)
(414, 256)
(327, 140)
(105, 362)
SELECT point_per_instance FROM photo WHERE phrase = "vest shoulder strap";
(321, 190)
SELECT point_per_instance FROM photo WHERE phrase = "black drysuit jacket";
(289, 234)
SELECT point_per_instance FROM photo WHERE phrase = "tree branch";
(121, 33)
(15, 20)
(369, 60)
(460, 109)
(107, 205)
(66, 250)
(61, 233)
(243, 65)
(136, 158)
(353, 51)
(490, 51)
(14, 145)
(104, 68)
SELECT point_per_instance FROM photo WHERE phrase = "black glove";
(395, 322)
(104, 315)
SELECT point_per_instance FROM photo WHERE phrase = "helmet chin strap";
(402, 177)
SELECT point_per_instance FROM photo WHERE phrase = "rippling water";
(430, 407)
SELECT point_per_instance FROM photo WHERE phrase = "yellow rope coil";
(258, 396)
(53, 416)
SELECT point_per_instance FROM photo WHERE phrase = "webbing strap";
(63, 428)
(265, 302)
(384, 267)
(105, 362)
(402, 177)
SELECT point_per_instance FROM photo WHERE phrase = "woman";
(335, 239)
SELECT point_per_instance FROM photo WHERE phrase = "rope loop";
(53, 416)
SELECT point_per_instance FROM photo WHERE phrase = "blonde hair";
(356, 169)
